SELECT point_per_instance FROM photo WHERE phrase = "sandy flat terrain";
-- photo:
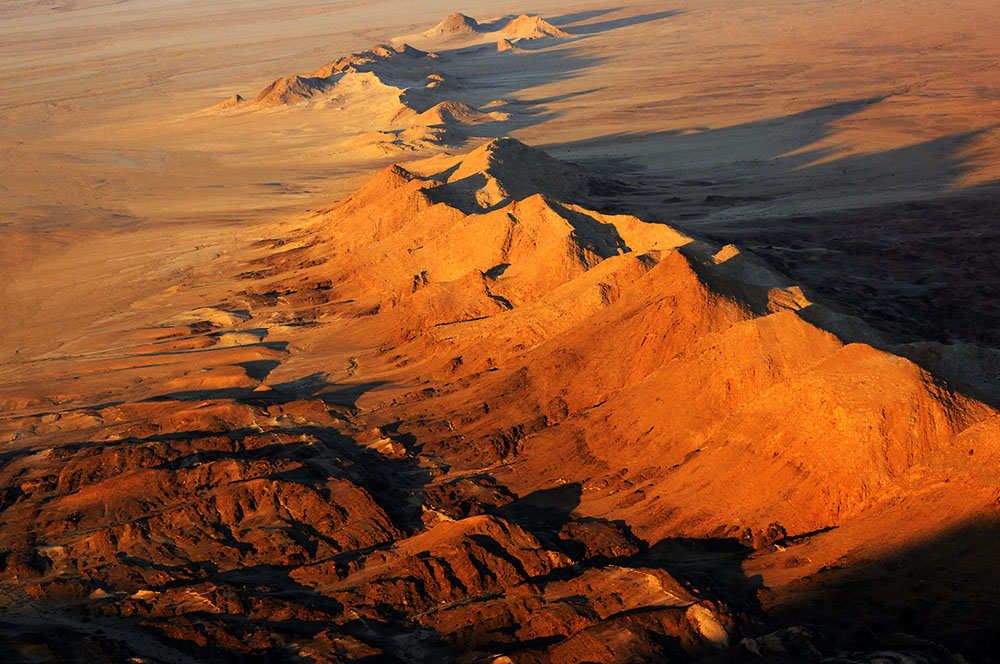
(712, 114)
(301, 357)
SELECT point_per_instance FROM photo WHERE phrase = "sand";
(726, 349)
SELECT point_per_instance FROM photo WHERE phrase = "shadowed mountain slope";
(489, 423)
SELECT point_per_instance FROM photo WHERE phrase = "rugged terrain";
(569, 440)
(488, 406)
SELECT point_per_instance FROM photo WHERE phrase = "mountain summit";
(455, 24)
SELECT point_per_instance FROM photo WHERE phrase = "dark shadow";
(280, 346)
(496, 271)
(601, 238)
(942, 590)
(496, 24)
(543, 513)
(259, 331)
(576, 17)
(306, 386)
(615, 24)
(775, 142)
(554, 98)
(62, 637)
(709, 568)
(546, 510)
(348, 395)
(441, 176)
(500, 80)
(266, 640)
(917, 270)
(314, 386)
(887, 236)
(241, 394)
(791, 540)
(259, 369)
(542, 44)
(461, 194)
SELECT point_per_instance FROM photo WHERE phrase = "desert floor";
(754, 122)
(853, 146)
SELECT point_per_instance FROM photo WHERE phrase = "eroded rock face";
(289, 539)
(565, 441)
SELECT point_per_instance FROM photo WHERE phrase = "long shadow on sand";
(501, 79)
(577, 17)
(314, 386)
(495, 76)
(615, 24)
(888, 236)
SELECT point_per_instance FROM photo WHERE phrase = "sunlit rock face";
(285, 400)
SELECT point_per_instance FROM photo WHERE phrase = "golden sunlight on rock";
(556, 332)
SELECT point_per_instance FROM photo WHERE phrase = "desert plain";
(499, 332)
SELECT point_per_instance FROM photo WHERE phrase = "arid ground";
(492, 332)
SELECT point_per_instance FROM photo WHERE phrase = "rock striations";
(504, 427)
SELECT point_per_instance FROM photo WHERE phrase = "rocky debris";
(497, 459)
(289, 540)
(803, 644)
